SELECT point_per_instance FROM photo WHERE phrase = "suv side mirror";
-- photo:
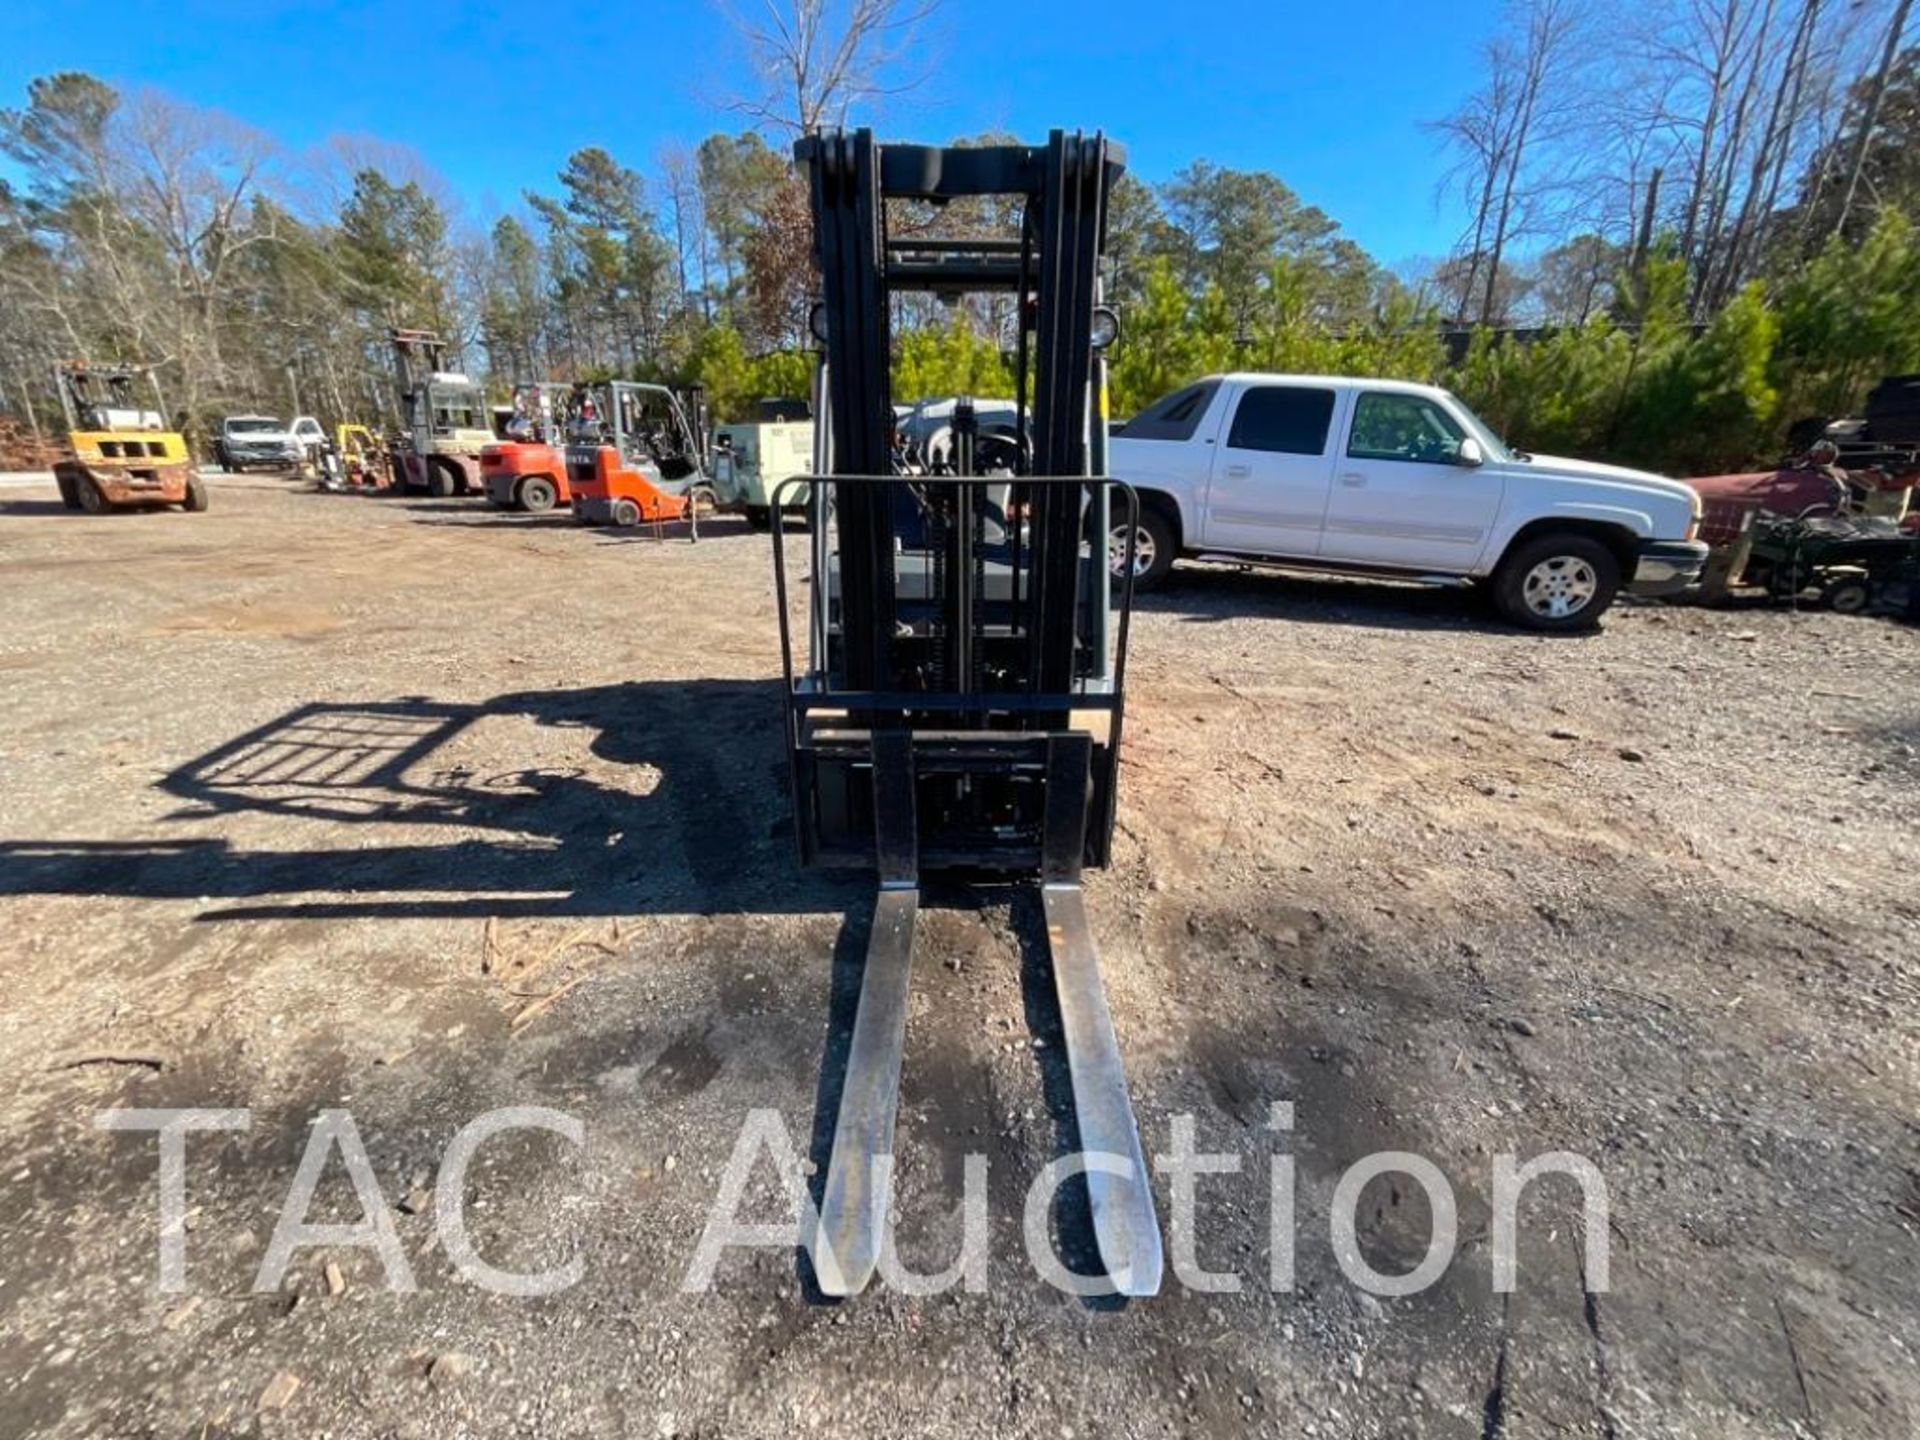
(1470, 454)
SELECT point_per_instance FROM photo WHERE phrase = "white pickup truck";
(1388, 478)
(262, 440)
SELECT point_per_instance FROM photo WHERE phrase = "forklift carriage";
(962, 699)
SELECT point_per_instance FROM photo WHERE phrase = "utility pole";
(1643, 240)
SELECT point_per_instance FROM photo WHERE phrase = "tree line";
(1689, 224)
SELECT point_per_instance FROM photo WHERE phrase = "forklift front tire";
(626, 514)
(92, 498)
(196, 500)
(68, 497)
(439, 482)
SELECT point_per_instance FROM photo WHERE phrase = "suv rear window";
(1285, 419)
(1175, 417)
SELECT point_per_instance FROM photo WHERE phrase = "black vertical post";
(848, 223)
(958, 602)
(1069, 257)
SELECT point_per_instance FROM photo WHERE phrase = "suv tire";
(1558, 582)
(1154, 549)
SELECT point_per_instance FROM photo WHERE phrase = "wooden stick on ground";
(529, 1013)
(111, 1057)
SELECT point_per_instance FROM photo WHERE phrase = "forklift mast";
(103, 397)
(698, 416)
(961, 703)
(417, 355)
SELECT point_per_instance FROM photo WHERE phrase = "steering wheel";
(998, 452)
(1429, 449)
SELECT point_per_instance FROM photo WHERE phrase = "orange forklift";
(528, 469)
(634, 457)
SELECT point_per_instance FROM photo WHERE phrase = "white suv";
(1390, 478)
(262, 440)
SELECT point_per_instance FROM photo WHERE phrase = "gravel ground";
(413, 809)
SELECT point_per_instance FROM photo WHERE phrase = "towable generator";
(528, 469)
(635, 457)
(959, 703)
(123, 455)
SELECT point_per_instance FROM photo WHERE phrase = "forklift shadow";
(470, 518)
(472, 515)
(678, 809)
(474, 506)
(712, 527)
(1216, 594)
(31, 507)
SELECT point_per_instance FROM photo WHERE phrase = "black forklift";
(960, 701)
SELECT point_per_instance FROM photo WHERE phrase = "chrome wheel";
(1559, 587)
(1145, 552)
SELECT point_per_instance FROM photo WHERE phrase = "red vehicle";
(633, 458)
(528, 469)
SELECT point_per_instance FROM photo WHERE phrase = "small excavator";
(123, 455)
(960, 700)
(362, 460)
(636, 457)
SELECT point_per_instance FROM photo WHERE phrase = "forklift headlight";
(817, 321)
(1106, 328)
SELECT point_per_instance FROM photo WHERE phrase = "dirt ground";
(413, 809)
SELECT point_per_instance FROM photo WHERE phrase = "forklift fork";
(854, 1214)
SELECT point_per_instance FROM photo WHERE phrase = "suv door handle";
(1239, 471)
(1353, 478)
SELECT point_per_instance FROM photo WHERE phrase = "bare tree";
(814, 61)
(680, 183)
(1477, 132)
(1888, 54)
(1769, 158)
(1732, 94)
(1527, 101)
(186, 177)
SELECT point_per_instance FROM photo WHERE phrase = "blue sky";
(1329, 97)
